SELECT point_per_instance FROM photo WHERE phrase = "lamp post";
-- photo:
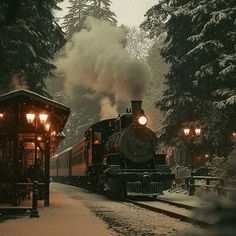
(41, 124)
(191, 133)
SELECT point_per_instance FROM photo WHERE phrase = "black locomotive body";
(117, 156)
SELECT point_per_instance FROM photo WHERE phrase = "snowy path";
(65, 217)
(75, 211)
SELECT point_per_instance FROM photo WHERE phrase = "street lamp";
(234, 134)
(191, 133)
(31, 118)
(38, 120)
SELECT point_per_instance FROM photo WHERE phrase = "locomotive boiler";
(118, 156)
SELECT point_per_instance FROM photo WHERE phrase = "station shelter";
(30, 131)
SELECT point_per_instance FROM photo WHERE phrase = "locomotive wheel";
(117, 190)
(122, 194)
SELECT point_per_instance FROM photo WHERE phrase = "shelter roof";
(14, 95)
(21, 101)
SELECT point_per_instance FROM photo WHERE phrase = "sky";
(128, 12)
(131, 12)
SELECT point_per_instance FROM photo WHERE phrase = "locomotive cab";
(123, 121)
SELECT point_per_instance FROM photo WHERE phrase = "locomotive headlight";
(142, 120)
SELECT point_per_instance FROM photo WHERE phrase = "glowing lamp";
(1, 115)
(39, 138)
(47, 127)
(142, 120)
(30, 118)
(186, 131)
(234, 134)
(198, 131)
(43, 118)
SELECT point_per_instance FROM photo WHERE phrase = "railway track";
(169, 208)
(172, 209)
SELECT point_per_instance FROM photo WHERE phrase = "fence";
(218, 185)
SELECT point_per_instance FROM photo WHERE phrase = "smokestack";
(136, 107)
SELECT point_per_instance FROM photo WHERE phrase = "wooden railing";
(218, 185)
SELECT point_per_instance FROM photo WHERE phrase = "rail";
(219, 185)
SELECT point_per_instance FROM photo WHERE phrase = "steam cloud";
(96, 58)
(107, 109)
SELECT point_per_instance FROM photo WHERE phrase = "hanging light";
(198, 131)
(186, 131)
(43, 118)
(47, 127)
(30, 118)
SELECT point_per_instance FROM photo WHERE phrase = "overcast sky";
(128, 12)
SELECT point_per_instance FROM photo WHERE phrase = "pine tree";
(200, 86)
(74, 20)
(100, 9)
(29, 39)
(79, 10)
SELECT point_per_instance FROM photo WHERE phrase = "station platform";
(66, 216)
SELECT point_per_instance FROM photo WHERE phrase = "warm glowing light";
(53, 133)
(234, 134)
(96, 141)
(1, 115)
(39, 138)
(30, 117)
(197, 131)
(47, 127)
(142, 120)
(186, 131)
(43, 118)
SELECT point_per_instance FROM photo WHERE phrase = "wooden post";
(186, 181)
(191, 186)
(220, 191)
(16, 171)
(207, 183)
(47, 174)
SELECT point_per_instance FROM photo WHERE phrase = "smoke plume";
(107, 109)
(95, 58)
(18, 80)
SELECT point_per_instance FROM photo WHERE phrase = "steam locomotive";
(117, 156)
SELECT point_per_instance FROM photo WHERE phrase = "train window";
(97, 138)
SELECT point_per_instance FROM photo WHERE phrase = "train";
(116, 156)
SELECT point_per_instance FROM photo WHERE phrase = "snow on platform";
(66, 216)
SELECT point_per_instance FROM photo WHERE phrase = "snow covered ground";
(78, 212)
(182, 197)
(65, 217)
